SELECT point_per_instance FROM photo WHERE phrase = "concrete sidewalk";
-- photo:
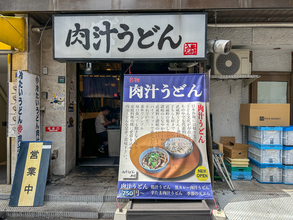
(254, 200)
(87, 192)
(90, 192)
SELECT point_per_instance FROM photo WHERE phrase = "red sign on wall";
(53, 129)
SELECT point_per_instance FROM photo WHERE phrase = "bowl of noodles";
(154, 160)
(178, 147)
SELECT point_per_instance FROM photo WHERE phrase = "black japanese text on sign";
(30, 174)
(129, 36)
(30, 179)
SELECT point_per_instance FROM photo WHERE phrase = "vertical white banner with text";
(28, 108)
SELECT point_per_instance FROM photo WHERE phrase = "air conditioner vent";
(235, 63)
(228, 64)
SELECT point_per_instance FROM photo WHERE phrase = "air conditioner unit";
(235, 63)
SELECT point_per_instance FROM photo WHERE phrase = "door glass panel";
(271, 92)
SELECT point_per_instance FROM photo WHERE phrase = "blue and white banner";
(159, 88)
(163, 139)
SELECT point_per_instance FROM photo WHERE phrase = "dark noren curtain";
(100, 87)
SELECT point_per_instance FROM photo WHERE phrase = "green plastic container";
(238, 169)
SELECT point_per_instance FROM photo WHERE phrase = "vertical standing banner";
(28, 107)
(163, 141)
(31, 171)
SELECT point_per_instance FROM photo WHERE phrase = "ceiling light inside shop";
(88, 68)
(108, 67)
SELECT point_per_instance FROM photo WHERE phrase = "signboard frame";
(186, 58)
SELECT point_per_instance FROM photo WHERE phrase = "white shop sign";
(180, 36)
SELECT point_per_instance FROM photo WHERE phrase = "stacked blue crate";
(238, 173)
(266, 173)
(265, 153)
(288, 175)
(287, 157)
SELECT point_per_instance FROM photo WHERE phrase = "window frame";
(276, 77)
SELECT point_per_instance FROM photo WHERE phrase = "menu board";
(163, 138)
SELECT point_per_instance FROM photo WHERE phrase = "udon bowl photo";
(178, 147)
(154, 160)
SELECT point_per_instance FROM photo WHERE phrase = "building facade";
(264, 28)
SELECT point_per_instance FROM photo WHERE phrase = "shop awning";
(4, 46)
(9, 35)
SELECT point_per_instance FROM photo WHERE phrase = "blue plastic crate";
(266, 173)
(266, 135)
(287, 155)
(265, 153)
(236, 175)
(288, 175)
(288, 136)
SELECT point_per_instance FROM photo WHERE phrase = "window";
(272, 87)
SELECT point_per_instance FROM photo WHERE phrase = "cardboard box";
(255, 114)
(234, 150)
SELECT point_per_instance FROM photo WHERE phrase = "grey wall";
(225, 100)
(51, 117)
(65, 141)
(34, 49)
(225, 106)
(271, 60)
(71, 131)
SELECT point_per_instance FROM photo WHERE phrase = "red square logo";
(190, 49)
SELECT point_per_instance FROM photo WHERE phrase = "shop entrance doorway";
(98, 86)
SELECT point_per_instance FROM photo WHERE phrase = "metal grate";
(246, 205)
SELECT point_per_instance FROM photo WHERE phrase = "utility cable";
(25, 37)
(129, 68)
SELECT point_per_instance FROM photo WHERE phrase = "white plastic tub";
(288, 175)
(287, 156)
(288, 136)
(265, 153)
(266, 173)
(266, 135)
